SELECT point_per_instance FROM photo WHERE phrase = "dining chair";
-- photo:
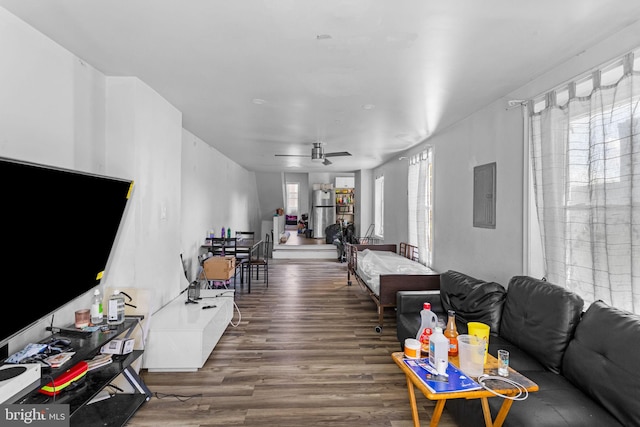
(242, 249)
(215, 246)
(261, 260)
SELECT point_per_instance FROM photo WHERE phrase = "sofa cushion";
(602, 359)
(408, 306)
(558, 404)
(472, 299)
(540, 318)
(519, 359)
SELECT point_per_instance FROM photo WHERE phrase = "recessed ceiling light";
(368, 107)
(258, 101)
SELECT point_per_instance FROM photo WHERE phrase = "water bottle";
(229, 233)
(223, 233)
(438, 350)
(115, 314)
(96, 308)
(428, 323)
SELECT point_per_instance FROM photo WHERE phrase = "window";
(378, 218)
(584, 150)
(420, 207)
(292, 199)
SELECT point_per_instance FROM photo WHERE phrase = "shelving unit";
(113, 411)
(345, 205)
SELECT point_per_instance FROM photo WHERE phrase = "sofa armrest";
(411, 301)
(408, 306)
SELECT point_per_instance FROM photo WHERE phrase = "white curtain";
(419, 192)
(585, 152)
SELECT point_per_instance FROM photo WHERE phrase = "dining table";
(242, 249)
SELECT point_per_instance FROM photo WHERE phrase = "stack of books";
(98, 361)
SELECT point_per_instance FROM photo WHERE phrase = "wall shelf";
(345, 205)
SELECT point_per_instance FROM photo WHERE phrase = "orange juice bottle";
(451, 332)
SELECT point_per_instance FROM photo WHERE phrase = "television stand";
(84, 409)
(69, 331)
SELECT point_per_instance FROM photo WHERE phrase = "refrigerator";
(323, 212)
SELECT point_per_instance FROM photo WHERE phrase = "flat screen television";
(58, 229)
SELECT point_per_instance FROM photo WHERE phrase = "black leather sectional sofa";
(586, 362)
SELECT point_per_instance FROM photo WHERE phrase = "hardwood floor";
(304, 353)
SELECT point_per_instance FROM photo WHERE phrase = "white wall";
(492, 135)
(57, 110)
(216, 192)
(364, 201)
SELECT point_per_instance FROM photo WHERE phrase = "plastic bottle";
(223, 233)
(451, 332)
(115, 315)
(438, 348)
(428, 322)
(97, 314)
(229, 233)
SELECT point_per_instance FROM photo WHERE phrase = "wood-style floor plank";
(304, 353)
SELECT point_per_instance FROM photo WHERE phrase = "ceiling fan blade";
(326, 162)
(337, 154)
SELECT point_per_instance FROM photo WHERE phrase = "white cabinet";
(182, 336)
(345, 182)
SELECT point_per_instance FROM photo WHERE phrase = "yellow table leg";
(412, 401)
(437, 412)
(502, 414)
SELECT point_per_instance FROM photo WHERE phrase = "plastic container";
(412, 348)
(228, 233)
(480, 330)
(438, 349)
(97, 315)
(428, 323)
(471, 355)
(223, 233)
(451, 332)
(115, 313)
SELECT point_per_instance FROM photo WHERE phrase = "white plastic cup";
(471, 355)
(412, 348)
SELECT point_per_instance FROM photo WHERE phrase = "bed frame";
(390, 283)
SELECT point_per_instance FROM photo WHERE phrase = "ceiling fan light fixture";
(317, 153)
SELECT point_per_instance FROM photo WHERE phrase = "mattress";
(371, 264)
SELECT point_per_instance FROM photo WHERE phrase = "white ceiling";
(255, 78)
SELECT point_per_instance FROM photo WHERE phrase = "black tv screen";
(58, 229)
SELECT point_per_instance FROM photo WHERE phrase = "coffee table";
(490, 368)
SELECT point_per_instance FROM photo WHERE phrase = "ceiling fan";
(318, 154)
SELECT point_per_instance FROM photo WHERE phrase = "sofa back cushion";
(540, 318)
(472, 299)
(602, 360)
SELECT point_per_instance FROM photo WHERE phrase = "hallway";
(305, 352)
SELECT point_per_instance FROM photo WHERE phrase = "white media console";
(182, 336)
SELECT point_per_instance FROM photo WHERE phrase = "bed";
(383, 269)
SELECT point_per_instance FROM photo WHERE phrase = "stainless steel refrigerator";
(323, 212)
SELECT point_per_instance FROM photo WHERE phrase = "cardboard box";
(219, 268)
